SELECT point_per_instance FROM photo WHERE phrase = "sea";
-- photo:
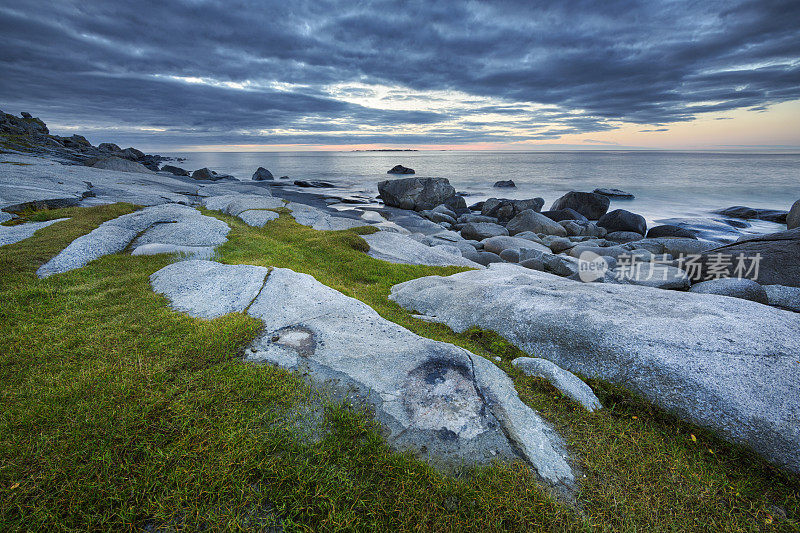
(666, 184)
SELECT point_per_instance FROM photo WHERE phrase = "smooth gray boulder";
(589, 204)
(724, 363)
(170, 224)
(262, 174)
(482, 230)
(252, 209)
(782, 296)
(733, 287)
(258, 218)
(438, 400)
(418, 194)
(398, 248)
(193, 252)
(530, 220)
(624, 236)
(120, 165)
(622, 220)
(567, 382)
(793, 218)
(564, 214)
(12, 234)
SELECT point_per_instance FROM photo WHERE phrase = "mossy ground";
(119, 414)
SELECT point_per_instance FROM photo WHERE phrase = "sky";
(241, 75)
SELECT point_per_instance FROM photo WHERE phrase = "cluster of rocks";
(29, 134)
(579, 228)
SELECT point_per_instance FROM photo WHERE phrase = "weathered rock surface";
(567, 382)
(530, 220)
(433, 398)
(652, 275)
(589, 204)
(397, 248)
(415, 193)
(120, 165)
(778, 253)
(12, 234)
(252, 209)
(498, 244)
(320, 220)
(782, 296)
(614, 193)
(169, 224)
(724, 363)
(733, 287)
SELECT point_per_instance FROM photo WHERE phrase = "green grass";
(119, 414)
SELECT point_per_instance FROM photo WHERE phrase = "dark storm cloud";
(115, 64)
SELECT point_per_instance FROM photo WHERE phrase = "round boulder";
(589, 204)
(482, 230)
(504, 183)
(530, 220)
(400, 169)
(564, 214)
(621, 220)
(745, 289)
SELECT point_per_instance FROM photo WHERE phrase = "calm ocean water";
(666, 184)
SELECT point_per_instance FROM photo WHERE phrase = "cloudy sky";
(500, 74)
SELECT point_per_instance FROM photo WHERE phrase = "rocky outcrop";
(724, 363)
(206, 174)
(504, 209)
(504, 183)
(748, 213)
(777, 256)
(417, 194)
(589, 204)
(614, 193)
(438, 400)
(400, 169)
(397, 248)
(262, 174)
(12, 234)
(172, 226)
(175, 171)
(119, 164)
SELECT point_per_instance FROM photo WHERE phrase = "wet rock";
(668, 230)
(622, 220)
(314, 184)
(614, 193)
(262, 174)
(506, 183)
(400, 169)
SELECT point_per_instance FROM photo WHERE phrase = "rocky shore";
(704, 329)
